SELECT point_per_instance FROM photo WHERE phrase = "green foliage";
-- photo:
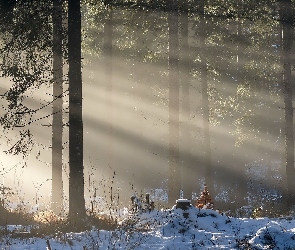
(93, 16)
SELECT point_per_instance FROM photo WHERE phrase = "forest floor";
(174, 228)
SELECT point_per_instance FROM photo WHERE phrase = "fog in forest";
(126, 111)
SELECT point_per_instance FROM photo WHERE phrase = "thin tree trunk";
(174, 171)
(108, 52)
(76, 176)
(57, 118)
(286, 18)
(242, 179)
(188, 178)
(283, 184)
(205, 104)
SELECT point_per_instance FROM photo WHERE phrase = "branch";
(44, 106)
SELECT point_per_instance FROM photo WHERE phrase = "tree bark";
(283, 186)
(174, 171)
(76, 176)
(286, 19)
(108, 53)
(57, 114)
(242, 179)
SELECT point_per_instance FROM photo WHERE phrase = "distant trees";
(229, 72)
(224, 65)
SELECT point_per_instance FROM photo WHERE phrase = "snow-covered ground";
(171, 229)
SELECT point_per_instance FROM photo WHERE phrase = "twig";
(48, 245)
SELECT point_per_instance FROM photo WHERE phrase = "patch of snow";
(172, 229)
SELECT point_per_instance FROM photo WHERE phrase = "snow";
(170, 229)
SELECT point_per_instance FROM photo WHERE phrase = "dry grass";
(48, 223)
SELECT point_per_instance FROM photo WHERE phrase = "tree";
(25, 55)
(57, 114)
(188, 177)
(38, 39)
(286, 19)
(237, 39)
(76, 176)
(108, 53)
(174, 171)
(41, 44)
(205, 101)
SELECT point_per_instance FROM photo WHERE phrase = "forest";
(106, 100)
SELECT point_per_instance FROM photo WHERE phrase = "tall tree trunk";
(205, 103)
(286, 19)
(174, 171)
(57, 118)
(76, 176)
(108, 53)
(188, 178)
(242, 178)
(283, 186)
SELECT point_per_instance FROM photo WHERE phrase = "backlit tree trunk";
(57, 118)
(174, 171)
(76, 182)
(188, 177)
(205, 103)
(286, 19)
(242, 178)
(108, 53)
